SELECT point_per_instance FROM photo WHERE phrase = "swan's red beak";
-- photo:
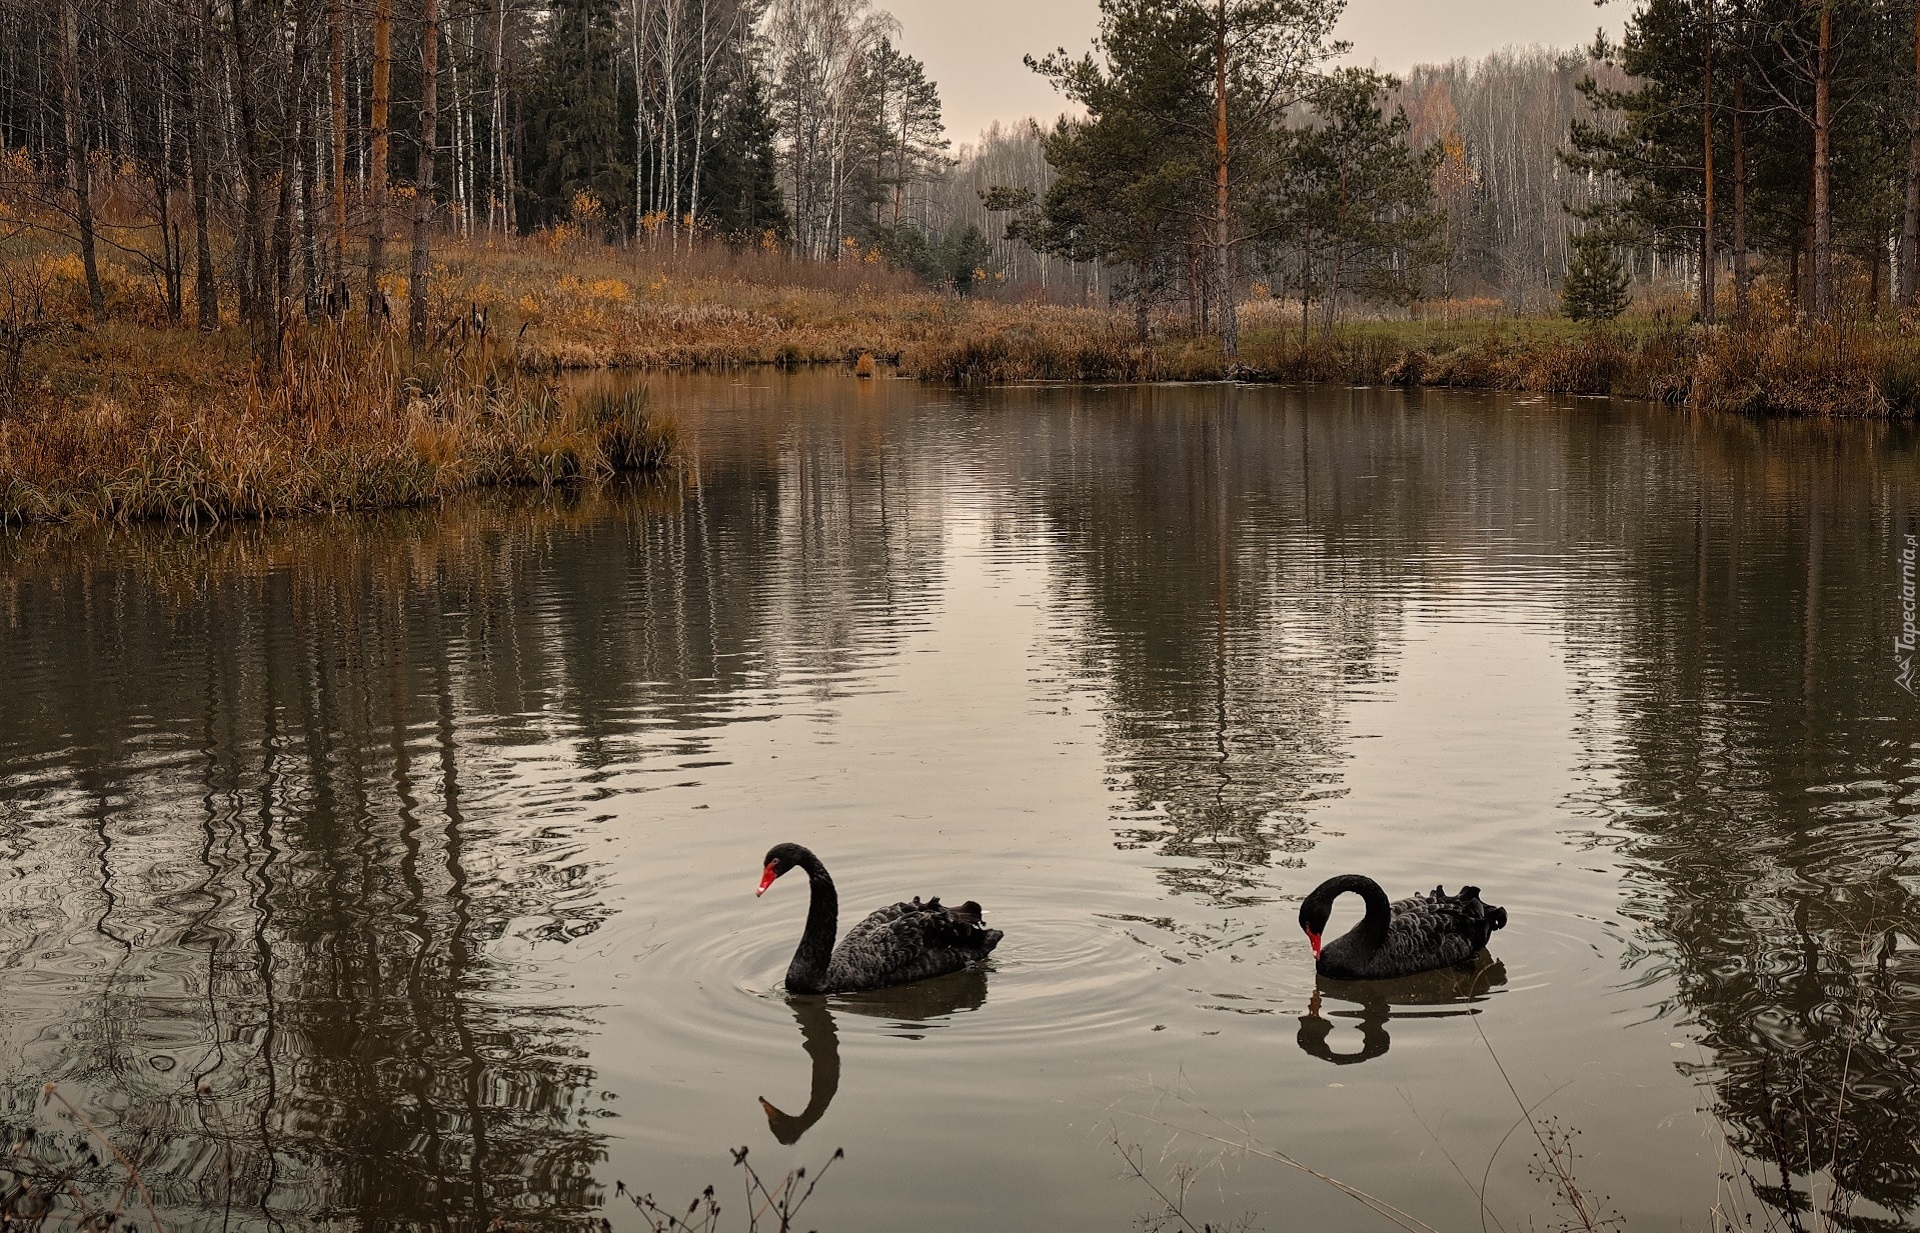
(766, 880)
(1315, 939)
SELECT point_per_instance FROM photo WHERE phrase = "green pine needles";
(1595, 288)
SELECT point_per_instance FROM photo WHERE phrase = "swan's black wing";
(1437, 930)
(907, 942)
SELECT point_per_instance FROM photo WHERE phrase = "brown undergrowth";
(1760, 368)
(343, 421)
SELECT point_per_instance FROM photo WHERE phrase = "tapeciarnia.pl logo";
(1903, 642)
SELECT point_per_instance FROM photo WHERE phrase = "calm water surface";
(398, 871)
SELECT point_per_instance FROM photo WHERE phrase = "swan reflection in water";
(913, 1010)
(1430, 995)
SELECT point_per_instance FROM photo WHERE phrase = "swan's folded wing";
(1447, 928)
(909, 941)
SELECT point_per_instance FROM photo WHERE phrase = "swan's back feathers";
(905, 942)
(1423, 933)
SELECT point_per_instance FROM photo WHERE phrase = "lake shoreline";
(132, 419)
(338, 424)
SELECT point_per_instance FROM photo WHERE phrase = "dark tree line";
(1784, 131)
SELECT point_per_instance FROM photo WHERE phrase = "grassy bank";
(343, 421)
(1764, 368)
(136, 418)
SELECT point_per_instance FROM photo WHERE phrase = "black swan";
(1398, 939)
(895, 946)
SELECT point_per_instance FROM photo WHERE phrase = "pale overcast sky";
(973, 47)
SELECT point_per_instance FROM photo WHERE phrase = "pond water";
(397, 871)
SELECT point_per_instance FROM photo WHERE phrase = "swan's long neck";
(808, 971)
(1379, 912)
(1372, 931)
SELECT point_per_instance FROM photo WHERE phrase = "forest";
(274, 151)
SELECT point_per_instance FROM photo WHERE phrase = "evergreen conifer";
(574, 141)
(1595, 288)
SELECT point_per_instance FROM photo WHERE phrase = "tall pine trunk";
(1822, 169)
(497, 110)
(423, 179)
(1222, 215)
(312, 281)
(337, 101)
(1910, 220)
(294, 161)
(377, 173)
(1741, 277)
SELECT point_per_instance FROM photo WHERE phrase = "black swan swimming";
(1398, 939)
(895, 946)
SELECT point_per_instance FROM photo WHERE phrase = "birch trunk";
(1706, 203)
(206, 291)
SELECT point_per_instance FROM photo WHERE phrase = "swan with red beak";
(1416, 934)
(897, 945)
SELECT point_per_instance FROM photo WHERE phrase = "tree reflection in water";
(268, 953)
(1761, 772)
(1216, 608)
(283, 883)
(1729, 598)
(1431, 995)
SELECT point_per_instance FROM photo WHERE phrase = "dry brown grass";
(577, 306)
(345, 422)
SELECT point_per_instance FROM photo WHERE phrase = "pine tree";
(1355, 198)
(1595, 288)
(574, 143)
(1130, 178)
(964, 258)
(741, 196)
(909, 140)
